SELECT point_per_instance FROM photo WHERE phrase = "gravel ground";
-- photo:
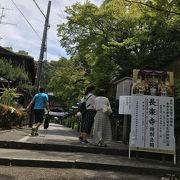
(31, 173)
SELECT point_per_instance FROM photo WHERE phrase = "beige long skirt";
(102, 128)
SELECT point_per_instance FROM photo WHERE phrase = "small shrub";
(10, 116)
(9, 96)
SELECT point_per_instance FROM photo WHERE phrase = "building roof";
(122, 79)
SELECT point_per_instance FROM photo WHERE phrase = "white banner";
(152, 125)
(56, 113)
(124, 104)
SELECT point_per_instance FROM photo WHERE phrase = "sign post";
(152, 113)
(124, 108)
(152, 125)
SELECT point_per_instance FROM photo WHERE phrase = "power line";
(39, 8)
(26, 19)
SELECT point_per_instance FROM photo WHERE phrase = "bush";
(10, 116)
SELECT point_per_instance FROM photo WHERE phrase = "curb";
(88, 165)
(129, 169)
(6, 130)
(62, 148)
(35, 163)
(83, 149)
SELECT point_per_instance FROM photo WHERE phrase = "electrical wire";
(26, 19)
(39, 8)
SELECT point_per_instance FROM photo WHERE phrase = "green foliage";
(68, 81)
(121, 35)
(177, 89)
(131, 35)
(15, 74)
(84, 35)
(9, 97)
(48, 69)
(22, 52)
(9, 48)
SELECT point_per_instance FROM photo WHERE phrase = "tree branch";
(153, 7)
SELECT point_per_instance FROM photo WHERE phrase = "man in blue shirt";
(40, 102)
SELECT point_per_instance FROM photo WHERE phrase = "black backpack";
(82, 105)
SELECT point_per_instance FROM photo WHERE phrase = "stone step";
(54, 159)
(64, 147)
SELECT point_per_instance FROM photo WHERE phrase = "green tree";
(9, 48)
(47, 72)
(68, 81)
(83, 37)
(134, 34)
(16, 75)
(22, 52)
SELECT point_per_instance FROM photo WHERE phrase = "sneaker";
(32, 132)
(85, 141)
(102, 144)
(36, 134)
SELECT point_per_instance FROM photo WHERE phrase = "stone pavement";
(58, 146)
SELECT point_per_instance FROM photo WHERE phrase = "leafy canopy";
(68, 81)
(111, 40)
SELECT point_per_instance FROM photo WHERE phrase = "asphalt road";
(34, 173)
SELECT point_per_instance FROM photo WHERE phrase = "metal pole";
(124, 137)
(41, 56)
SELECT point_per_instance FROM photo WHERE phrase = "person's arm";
(92, 101)
(110, 109)
(30, 104)
(47, 105)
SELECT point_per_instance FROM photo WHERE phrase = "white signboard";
(56, 113)
(124, 104)
(152, 125)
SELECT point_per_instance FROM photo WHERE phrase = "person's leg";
(85, 128)
(102, 129)
(84, 136)
(37, 127)
(89, 123)
(97, 131)
(39, 115)
(83, 125)
(34, 125)
(81, 133)
(80, 136)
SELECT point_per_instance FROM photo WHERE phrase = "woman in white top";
(102, 127)
(88, 119)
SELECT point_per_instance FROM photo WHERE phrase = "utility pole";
(41, 56)
(43, 44)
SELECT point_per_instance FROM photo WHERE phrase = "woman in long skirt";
(102, 126)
